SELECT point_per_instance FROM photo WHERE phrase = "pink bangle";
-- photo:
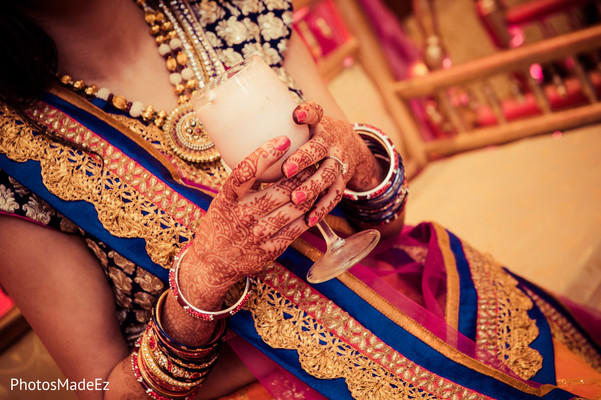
(197, 312)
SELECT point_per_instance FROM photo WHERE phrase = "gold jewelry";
(191, 63)
(187, 137)
(189, 307)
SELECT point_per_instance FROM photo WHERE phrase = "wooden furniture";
(540, 105)
(467, 135)
(505, 24)
(465, 109)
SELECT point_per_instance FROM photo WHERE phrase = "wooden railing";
(517, 61)
(547, 107)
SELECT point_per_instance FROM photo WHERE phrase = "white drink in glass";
(246, 107)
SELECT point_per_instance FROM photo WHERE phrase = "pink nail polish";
(282, 143)
(312, 221)
(299, 197)
(301, 115)
(290, 169)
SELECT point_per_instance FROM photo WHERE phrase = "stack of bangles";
(167, 369)
(385, 202)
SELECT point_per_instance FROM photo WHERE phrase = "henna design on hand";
(243, 229)
(332, 137)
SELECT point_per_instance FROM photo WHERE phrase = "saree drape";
(480, 332)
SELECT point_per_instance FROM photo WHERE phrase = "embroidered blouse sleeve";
(16, 200)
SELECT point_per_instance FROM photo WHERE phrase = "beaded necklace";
(192, 63)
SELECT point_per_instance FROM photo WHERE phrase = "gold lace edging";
(565, 332)
(130, 202)
(289, 314)
(503, 324)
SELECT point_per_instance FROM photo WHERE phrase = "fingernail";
(290, 169)
(300, 115)
(299, 197)
(312, 221)
(282, 143)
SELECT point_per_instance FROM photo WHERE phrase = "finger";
(261, 202)
(306, 155)
(308, 113)
(288, 185)
(326, 203)
(272, 223)
(245, 174)
(290, 232)
(326, 175)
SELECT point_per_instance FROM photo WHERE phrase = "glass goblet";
(248, 105)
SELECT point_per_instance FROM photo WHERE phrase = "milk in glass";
(244, 108)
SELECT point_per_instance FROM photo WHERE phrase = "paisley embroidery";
(8, 203)
(377, 371)
(134, 279)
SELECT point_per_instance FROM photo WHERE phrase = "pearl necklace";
(192, 63)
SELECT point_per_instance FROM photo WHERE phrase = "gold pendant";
(187, 137)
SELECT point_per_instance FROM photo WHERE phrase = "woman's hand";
(243, 229)
(331, 140)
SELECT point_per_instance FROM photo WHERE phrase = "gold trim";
(306, 249)
(401, 319)
(16, 141)
(152, 210)
(566, 333)
(330, 344)
(75, 99)
(453, 289)
(503, 325)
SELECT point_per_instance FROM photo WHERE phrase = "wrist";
(371, 172)
(203, 278)
(386, 201)
(205, 293)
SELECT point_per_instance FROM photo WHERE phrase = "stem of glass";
(333, 241)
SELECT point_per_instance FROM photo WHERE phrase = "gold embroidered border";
(152, 140)
(395, 315)
(20, 144)
(290, 314)
(75, 175)
(503, 324)
(564, 331)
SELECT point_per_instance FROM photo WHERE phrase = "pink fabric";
(398, 48)
(400, 51)
(379, 271)
(390, 275)
(588, 317)
(6, 303)
(277, 380)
